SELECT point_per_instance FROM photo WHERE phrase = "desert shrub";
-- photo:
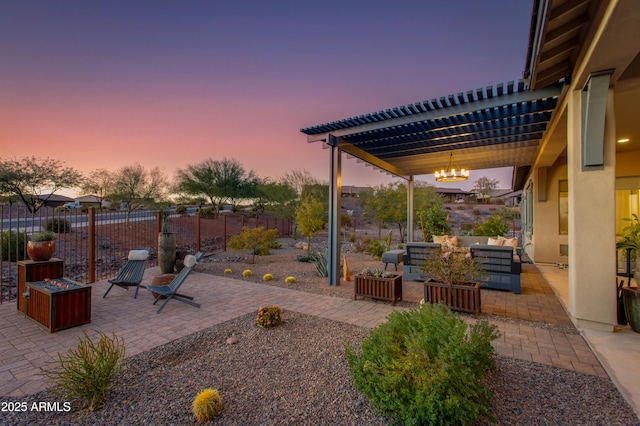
(269, 316)
(86, 373)
(247, 273)
(181, 209)
(321, 263)
(208, 212)
(207, 405)
(476, 212)
(376, 248)
(13, 245)
(84, 208)
(258, 240)
(461, 207)
(353, 237)
(228, 271)
(58, 225)
(267, 277)
(304, 258)
(491, 227)
(290, 280)
(426, 366)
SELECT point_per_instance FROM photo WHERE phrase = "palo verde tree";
(220, 182)
(136, 186)
(310, 218)
(34, 180)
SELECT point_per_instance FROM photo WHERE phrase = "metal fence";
(94, 244)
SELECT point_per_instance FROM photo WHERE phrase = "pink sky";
(103, 85)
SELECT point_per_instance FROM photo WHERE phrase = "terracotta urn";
(39, 251)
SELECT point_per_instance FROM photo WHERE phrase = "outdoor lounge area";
(27, 347)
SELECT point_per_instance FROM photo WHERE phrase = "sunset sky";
(103, 84)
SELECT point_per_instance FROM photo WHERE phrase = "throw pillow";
(511, 242)
(441, 239)
(138, 254)
(494, 241)
(451, 243)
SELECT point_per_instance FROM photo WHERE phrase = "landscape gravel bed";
(296, 374)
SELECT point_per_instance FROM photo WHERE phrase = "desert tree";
(279, 198)
(387, 204)
(34, 180)
(484, 186)
(298, 179)
(220, 181)
(310, 218)
(98, 182)
(137, 187)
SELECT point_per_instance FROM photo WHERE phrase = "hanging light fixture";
(451, 174)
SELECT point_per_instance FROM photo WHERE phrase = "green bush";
(181, 209)
(258, 240)
(426, 366)
(58, 225)
(376, 248)
(87, 372)
(11, 241)
(491, 227)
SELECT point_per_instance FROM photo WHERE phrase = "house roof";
(496, 126)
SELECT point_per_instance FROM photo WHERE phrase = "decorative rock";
(232, 340)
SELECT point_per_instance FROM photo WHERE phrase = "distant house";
(453, 194)
(92, 200)
(54, 200)
(353, 191)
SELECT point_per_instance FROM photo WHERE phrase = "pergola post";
(335, 201)
(410, 218)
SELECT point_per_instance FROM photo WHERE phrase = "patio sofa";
(413, 260)
(501, 267)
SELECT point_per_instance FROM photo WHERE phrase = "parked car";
(72, 205)
(459, 201)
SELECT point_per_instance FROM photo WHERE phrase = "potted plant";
(453, 280)
(378, 284)
(41, 246)
(166, 246)
(631, 295)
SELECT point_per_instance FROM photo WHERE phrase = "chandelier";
(451, 174)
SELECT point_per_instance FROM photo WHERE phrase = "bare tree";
(299, 179)
(137, 187)
(34, 180)
(484, 186)
(99, 183)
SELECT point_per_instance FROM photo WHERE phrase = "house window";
(563, 207)
(627, 201)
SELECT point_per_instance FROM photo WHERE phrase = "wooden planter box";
(462, 297)
(57, 309)
(378, 288)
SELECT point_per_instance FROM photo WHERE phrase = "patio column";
(591, 173)
(335, 201)
(410, 200)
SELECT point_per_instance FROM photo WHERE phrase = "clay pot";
(39, 251)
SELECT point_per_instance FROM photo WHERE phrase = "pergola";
(499, 126)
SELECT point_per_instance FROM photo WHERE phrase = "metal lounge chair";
(131, 273)
(170, 291)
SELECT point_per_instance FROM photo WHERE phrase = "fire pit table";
(57, 303)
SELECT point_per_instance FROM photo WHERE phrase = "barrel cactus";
(207, 405)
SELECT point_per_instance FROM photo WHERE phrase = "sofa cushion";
(511, 242)
(494, 241)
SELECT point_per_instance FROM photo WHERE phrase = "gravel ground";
(296, 374)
